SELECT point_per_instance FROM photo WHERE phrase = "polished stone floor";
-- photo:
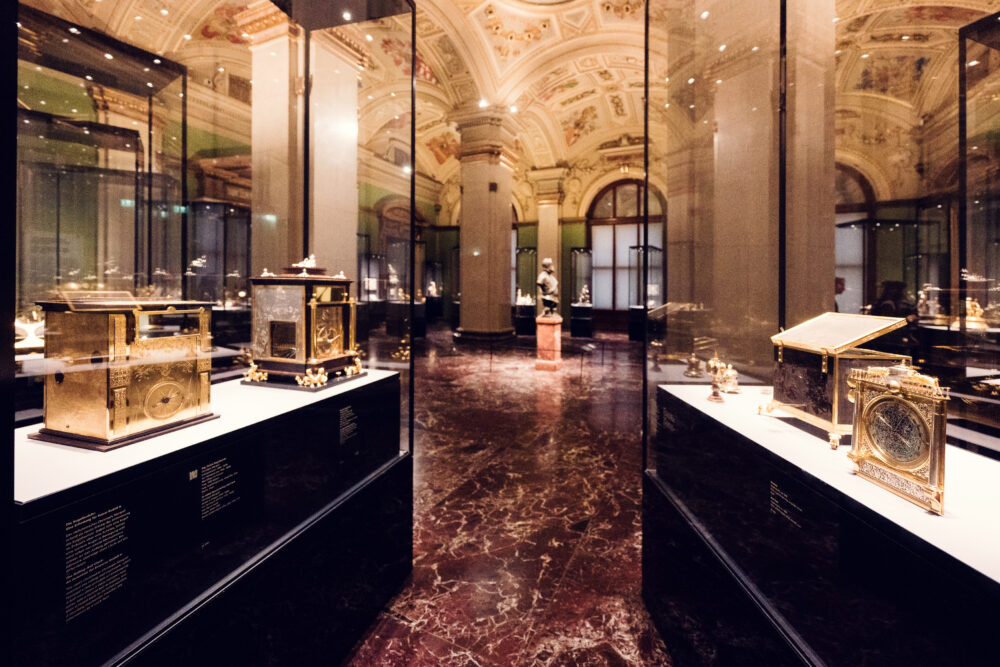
(527, 512)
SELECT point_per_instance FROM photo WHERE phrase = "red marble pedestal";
(549, 340)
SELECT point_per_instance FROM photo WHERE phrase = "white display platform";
(43, 468)
(969, 530)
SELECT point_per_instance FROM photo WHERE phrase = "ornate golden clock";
(303, 328)
(899, 432)
(122, 370)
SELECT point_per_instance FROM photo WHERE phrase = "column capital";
(487, 134)
(548, 184)
(263, 21)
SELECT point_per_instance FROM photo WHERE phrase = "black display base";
(285, 382)
(748, 559)
(362, 322)
(581, 321)
(435, 308)
(274, 543)
(397, 322)
(61, 438)
(464, 336)
(456, 320)
(305, 603)
(524, 320)
(230, 326)
(636, 323)
(377, 312)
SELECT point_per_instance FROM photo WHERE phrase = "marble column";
(810, 203)
(548, 197)
(277, 52)
(333, 154)
(487, 158)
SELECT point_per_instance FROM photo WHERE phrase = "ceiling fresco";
(571, 71)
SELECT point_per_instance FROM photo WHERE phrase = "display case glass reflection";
(218, 268)
(645, 265)
(525, 276)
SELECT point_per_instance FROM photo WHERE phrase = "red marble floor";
(527, 512)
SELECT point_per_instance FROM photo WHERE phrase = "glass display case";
(218, 270)
(645, 277)
(100, 195)
(526, 290)
(404, 287)
(456, 281)
(810, 467)
(154, 496)
(582, 307)
(434, 290)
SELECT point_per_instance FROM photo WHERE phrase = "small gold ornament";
(314, 377)
(255, 374)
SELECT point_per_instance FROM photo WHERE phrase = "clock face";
(164, 400)
(897, 431)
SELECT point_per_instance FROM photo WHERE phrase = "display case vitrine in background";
(645, 267)
(398, 321)
(581, 308)
(525, 290)
(433, 290)
(218, 270)
(456, 281)
(281, 509)
(367, 288)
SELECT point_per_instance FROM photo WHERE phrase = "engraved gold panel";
(278, 303)
(120, 419)
(328, 331)
(898, 437)
(205, 391)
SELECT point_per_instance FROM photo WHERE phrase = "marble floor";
(527, 512)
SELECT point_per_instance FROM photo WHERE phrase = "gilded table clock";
(120, 370)
(899, 432)
(303, 328)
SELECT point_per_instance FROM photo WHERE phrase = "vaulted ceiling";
(573, 70)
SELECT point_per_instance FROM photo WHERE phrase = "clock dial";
(898, 431)
(164, 400)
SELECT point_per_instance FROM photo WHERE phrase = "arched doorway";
(614, 235)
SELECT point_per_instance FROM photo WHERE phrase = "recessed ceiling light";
(905, 37)
(164, 12)
(722, 47)
(704, 15)
(109, 56)
(691, 80)
(75, 31)
(513, 108)
(347, 16)
(865, 55)
(973, 63)
(187, 36)
(156, 61)
(483, 103)
(369, 37)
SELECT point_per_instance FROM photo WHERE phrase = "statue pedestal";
(549, 342)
